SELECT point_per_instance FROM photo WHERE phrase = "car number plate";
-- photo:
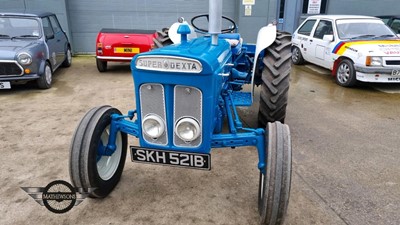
(396, 73)
(127, 50)
(5, 85)
(171, 158)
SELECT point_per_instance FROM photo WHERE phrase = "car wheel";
(45, 79)
(274, 185)
(101, 65)
(68, 58)
(346, 74)
(297, 57)
(88, 167)
(275, 81)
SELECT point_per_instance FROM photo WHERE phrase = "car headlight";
(373, 61)
(187, 129)
(153, 126)
(24, 58)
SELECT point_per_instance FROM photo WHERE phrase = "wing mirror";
(328, 37)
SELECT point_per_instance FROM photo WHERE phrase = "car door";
(303, 38)
(320, 49)
(51, 42)
(60, 38)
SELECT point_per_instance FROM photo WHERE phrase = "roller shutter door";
(88, 17)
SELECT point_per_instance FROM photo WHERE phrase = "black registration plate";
(171, 158)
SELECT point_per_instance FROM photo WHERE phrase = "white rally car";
(354, 48)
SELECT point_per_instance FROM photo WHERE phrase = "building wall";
(263, 12)
(82, 19)
(364, 7)
(356, 7)
(88, 17)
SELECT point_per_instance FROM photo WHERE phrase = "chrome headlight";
(153, 126)
(373, 61)
(187, 129)
(24, 58)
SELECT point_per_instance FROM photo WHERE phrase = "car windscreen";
(12, 27)
(363, 29)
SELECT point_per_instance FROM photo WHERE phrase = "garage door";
(88, 17)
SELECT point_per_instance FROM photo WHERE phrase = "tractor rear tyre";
(274, 185)
(275, 80)
(162, 38)
(87, 166)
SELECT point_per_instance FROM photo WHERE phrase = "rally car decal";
(342, 46)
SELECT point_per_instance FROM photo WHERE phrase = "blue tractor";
(187, 96)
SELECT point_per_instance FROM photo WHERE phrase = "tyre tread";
(275, 81)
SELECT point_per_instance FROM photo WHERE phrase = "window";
(324, 27)
(48, 31)
(385, 20)
(322, 10)
(307, 27)
(14, 27)
(282, 9)
(361, 28)
(395, 26)
(54, 23)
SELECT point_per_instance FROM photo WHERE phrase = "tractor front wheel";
(89, 167)
(274, 185)
(275, 80)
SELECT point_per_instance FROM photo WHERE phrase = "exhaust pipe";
(215, 23)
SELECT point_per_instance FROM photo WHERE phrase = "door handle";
(311, 40)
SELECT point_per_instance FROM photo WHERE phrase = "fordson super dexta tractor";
(187, 96)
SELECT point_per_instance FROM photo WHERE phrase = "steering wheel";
(228, 30)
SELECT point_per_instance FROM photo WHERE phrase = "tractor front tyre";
(88, 167)
(274, 185)
(275, 80)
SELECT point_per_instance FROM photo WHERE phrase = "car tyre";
(68, 58)
(88, 169)
(274, 185)
(101, 65)
(346, 74)
(275, 81)
(297, 57)
(45, 79)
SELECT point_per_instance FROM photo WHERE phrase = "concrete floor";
(345, 156)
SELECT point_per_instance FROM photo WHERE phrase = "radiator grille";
(152, 101)
(187, 103)
(392, 62)
(10, 68)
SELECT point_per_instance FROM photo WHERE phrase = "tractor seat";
(234, 40)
